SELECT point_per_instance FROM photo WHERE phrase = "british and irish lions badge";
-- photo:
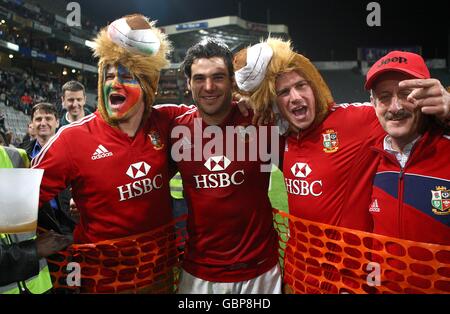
(330, 141)
(440, 200)
(155, 138)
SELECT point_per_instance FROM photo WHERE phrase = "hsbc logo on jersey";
(138, 170)
(303, 187)
(217, 163)
(301, 170)
(218, 179)
(140, 187)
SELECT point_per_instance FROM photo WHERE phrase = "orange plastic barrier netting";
(320, 258)
(143, 263)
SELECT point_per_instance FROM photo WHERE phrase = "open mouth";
(116, 99)
(299, 112)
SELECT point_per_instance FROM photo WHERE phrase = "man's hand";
(429, 95)
(244, 103)
(74, 212)
(51, 242)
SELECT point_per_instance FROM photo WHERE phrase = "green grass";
(277, 191)
(278, 198)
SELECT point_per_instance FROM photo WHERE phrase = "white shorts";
(267, 283)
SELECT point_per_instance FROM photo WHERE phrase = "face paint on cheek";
(107, 88)
(133, 96)
(126, 86)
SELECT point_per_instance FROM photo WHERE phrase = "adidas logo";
(101, 152)
(374, 207)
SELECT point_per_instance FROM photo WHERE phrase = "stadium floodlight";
(12, 46)
(89, 44)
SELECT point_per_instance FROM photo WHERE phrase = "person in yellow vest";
(23, 268)
(178, 202)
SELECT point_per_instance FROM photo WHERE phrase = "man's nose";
(295, 95)
(209, 84)
(395, 104)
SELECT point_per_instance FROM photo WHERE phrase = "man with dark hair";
(232, 244)
(73, 101)
(55, 214)
(44, 120)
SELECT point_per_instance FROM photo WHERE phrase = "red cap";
(399, 61)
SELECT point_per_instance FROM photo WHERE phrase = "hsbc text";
(302, 187)
(219, 180)
(138, 188)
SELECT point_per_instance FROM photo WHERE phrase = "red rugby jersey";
(120, 184)
(230, 228)
(328, 169)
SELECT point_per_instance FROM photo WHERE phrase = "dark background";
(320, 29)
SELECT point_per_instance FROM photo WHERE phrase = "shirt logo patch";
(440, 200)
(101, 152)
(330, 141)
(217, 163)
(138, 170)
(374, 208)
(155, 138)
(301, 170)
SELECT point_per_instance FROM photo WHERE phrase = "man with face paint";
(116, 159)
(411, 189)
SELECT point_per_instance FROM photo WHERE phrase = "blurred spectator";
(30, 136)
(73, 101)
(56, 214)
(26, 101)
(2, 121)
(9, 135)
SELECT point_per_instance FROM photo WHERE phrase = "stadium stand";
(39, 53)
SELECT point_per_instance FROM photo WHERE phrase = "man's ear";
(373, 100)
(62, 102)
(188, 84)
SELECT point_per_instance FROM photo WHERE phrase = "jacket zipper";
(400, 201)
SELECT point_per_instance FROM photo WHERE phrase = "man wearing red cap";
(328, 165)
(411, 188)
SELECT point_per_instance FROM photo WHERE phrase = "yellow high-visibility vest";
(41, 283)
(176, 187)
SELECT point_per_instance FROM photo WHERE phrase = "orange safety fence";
(320, 258)
(143, 263)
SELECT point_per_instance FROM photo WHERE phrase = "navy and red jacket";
(413, 203)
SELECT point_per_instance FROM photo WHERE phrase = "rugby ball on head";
(133, 37)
